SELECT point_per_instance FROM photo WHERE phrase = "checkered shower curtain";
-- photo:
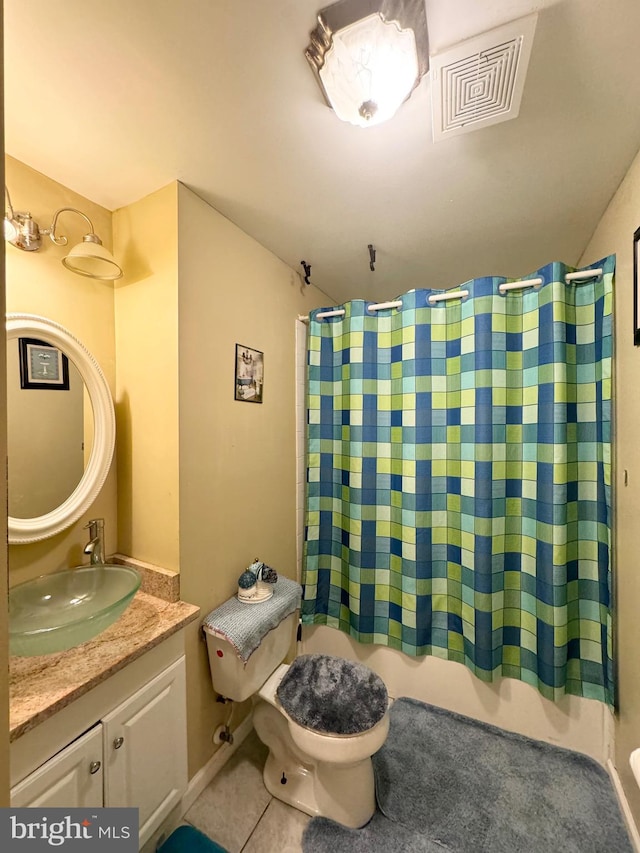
(458, 481)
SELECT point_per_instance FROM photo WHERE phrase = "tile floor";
(238, 812)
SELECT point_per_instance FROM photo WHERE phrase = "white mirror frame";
(25, 530)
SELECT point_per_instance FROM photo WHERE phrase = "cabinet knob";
(117, 743)
(94, 767)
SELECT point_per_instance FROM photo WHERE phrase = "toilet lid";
(333, 695)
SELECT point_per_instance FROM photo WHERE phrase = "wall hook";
(372, 257)
(307, 271)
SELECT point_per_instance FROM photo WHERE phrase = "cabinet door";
(145, 749)
(72, 778)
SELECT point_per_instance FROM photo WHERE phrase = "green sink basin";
(59, 611)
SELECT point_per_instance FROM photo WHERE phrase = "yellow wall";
(146, 306)
(205, 483)
(4, 645)
(615, 234)
(37, 283)
(237, 459)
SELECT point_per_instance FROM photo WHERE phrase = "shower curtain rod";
(520, 285)
(580, 275)
(380, 306)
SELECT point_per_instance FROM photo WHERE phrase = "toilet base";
(345, 792)
(292, 783)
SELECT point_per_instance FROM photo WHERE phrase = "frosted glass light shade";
(369, 70)
(92, 260)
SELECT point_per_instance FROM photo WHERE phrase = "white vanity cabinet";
(71, 779)
(134, 753)
(145, 749)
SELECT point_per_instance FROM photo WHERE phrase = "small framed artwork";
(42, 366)
(636, 288)
(249, 378)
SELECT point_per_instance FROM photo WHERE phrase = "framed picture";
(636, 288)
(249, 378)
(42, 366)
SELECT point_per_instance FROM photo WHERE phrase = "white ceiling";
(116, 98)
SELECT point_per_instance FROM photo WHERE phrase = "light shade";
(90, 258)
(370, 70)
(368, 56)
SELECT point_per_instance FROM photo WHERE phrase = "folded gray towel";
(245, 625)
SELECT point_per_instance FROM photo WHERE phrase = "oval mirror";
(61, 428)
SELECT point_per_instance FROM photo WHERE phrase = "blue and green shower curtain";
(458, 481)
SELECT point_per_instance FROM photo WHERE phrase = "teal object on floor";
(187, 839)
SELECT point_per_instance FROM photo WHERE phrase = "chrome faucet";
(95, 545)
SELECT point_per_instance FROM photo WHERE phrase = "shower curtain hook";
(307, 271)
(372, 257)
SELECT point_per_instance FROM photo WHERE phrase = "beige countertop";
(40, 686)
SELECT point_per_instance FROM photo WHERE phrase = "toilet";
(322, 717)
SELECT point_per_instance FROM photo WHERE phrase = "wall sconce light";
(88, 258)
(19, 228)
(368, 56)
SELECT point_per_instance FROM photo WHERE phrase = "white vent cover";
(480, 81)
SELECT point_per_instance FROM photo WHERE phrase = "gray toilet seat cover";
(332, 695)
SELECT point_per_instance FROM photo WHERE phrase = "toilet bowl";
(321, 717)
(318, 773)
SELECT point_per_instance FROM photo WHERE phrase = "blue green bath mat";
(186, 839)
(450, 784)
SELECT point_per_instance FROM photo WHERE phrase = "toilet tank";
(235, 679)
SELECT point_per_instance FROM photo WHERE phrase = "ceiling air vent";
(480, 81)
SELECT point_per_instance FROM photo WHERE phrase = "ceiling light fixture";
(368, 56)
(88, 258)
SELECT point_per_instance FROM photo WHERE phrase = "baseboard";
(624, 806)
(215, 764)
